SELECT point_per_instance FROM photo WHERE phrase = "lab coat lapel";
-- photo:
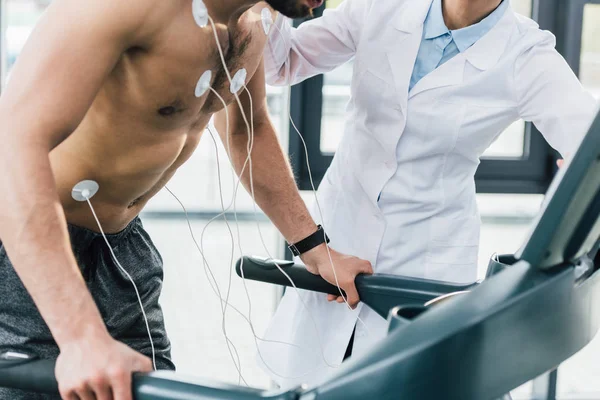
(483, 55)
(449, 74)
(403, 50)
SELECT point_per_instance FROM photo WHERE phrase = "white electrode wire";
(226, 303)
(234, 203)
(312, 184)
(236, 187)
(251, 143)
(249, 159)
(201, 248)
(128, 277)
(249, 319)
(215, 288)
(250, 323)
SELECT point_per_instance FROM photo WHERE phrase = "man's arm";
(317, 46)
(55, 80)
(275, 189)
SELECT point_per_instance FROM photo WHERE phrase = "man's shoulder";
(118, 16)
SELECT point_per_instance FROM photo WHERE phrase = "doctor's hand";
(319, 262)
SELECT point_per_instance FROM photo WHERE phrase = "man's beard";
(291, 8)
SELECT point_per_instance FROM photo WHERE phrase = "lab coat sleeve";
(550, 95)
(317, 46)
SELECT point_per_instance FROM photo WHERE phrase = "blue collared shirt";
(439, 44)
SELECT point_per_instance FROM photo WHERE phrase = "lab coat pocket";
(453, 241)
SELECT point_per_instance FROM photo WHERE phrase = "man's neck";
(224, 11)
(462, 13)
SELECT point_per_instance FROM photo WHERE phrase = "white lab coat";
(418, 149)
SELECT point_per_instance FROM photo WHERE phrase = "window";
(520, 161)
(589, 69)
(18, 18)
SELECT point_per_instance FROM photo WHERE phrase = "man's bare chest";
(169, 79)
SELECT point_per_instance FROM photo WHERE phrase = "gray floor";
(192, 311)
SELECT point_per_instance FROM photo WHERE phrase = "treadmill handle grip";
(37, 375)
(266, 270)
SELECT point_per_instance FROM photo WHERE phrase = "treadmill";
(534, 310)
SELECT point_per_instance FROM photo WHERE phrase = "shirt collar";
(434, 23)
(465, 37)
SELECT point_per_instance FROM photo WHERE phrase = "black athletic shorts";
(23, 329)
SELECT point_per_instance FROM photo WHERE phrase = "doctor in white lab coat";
(400, 192)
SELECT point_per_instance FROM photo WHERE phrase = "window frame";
(530, 174)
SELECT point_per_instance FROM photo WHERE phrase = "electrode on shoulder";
(267, 19)
(238, 81)
(200, 13)
(203, 83)
(84, 190)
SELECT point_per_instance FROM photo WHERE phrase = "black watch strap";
(309, 243)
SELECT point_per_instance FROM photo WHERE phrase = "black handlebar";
(24, 371)
(265, 270)
(381, 292)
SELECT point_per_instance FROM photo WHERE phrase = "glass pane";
(336, 94)
(21, 16)
(578, 377)
(589, 71)
(277, 104)
(510, 143)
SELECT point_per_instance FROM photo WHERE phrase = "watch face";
(294, 250)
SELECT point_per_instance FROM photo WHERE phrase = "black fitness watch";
(309, 243)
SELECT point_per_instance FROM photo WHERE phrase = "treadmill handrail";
(381, 292)
(38, 376)
(563, 231)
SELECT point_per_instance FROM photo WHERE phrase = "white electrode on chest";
(203, 83)
(84, 190)
(238, 81)
(267, 19)
(200, 13)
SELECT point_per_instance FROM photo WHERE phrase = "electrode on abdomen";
(84, 190)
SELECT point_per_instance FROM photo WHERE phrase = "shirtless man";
(105, 90)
